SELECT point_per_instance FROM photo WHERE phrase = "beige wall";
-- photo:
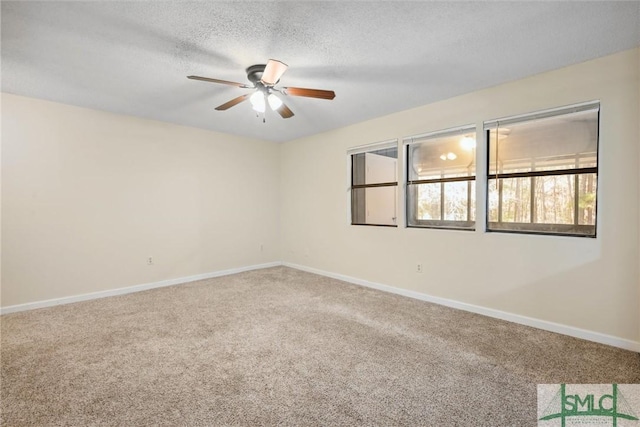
(88, 196)
(1, 304)
(580, 282)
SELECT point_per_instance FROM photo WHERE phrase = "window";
(441, 177)
(542, 172)
(374, 184)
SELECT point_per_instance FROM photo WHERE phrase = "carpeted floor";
(283, 347)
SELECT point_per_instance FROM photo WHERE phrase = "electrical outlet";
(418, 268)
(261, 247)
(150, 260)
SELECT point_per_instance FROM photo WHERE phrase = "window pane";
(457, 197)
(587, 199)
(375, 167)
(442, 204)
(510, 200)
(446, 157)
(554, 197)
(554, 206)
(428, 201)
(449, 202)
(493, 201)
(374, 206)
(472, 206)
(563, 142)
(549, 198)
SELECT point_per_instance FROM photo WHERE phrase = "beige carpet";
(283, 347)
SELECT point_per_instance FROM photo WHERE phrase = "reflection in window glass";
(542, 174)
(374, 187)
(441, 180)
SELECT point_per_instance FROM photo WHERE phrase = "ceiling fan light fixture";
(274, 101)
(273, 71)
(257, 102)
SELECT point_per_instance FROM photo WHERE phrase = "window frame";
(363, 149)
(412, 185)
(542, 228)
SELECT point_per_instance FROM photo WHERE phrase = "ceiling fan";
(264, 78)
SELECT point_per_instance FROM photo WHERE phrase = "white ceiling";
(379, 57)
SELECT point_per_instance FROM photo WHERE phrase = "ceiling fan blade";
(224, 82)
(273, 71)
(234, 101)
(311, 93)
(284, 111)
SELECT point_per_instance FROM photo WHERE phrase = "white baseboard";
(131, 289)
(490, 312)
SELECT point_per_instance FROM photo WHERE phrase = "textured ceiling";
(379, 57)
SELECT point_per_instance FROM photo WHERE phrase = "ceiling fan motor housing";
(254, 73)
